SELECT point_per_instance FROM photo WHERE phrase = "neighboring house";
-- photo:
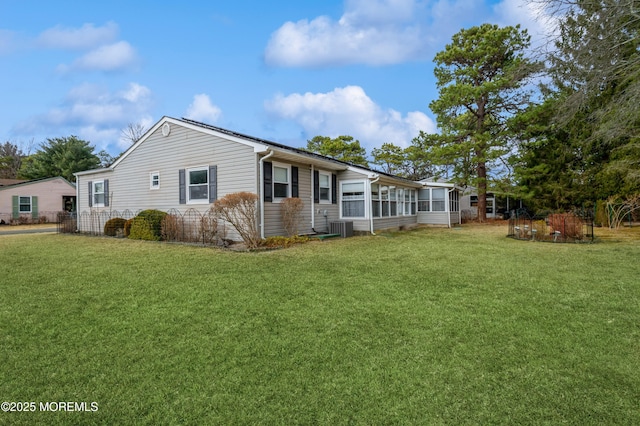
(184, 164)
(36, 200)
(498, 206)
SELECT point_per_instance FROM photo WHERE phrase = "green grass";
(433, 326)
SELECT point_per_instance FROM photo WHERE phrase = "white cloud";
(111, 57)
(86, 37)
(349, 111)
(201, 109)
(383, 32)
(94, 113)
(374, 32)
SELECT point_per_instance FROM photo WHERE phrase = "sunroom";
(439, 204)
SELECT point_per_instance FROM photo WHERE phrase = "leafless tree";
(133, 132)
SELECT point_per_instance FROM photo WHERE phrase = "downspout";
(313, 207)
(261, 187)
(449, 206)
(77, 203)
(370, 215)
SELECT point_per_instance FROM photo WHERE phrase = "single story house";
(36, 200)
(498, 205)
(183, 164)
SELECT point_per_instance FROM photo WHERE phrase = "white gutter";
(313, 207)
(261, 187)
(377, 178)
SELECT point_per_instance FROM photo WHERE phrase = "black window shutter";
(334, 188)
(267, 178)
(106, 192)
(90, 193)
(294, 181)
(182, 184)
(316, 186)
(213, 183)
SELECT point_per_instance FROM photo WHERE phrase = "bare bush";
(170, 227)
(620, 209)
(291, 209)
(240, 209)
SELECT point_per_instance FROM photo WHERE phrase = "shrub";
(240, 209)
(170, 228)
(127, 227)
(141, 230)
(114, 225)
(154, 219)
(290, 209)
(567, 224)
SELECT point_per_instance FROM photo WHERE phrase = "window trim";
(151, 176)
(94, 193)
(20, 211)
(188, 185)
(276, 199)
(328, 175)
(366, 199)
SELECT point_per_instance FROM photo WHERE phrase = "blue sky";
(280, 70)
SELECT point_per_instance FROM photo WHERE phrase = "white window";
(325, 187)
(410, 202)
(154, 180)
(384, 197)
(98, 193)
(407, 201)
(454, 201)
(424, 200)
(438, 199)
(24, 204)
(198, 185)
(375, 200)
(281, 182)
(352, 196)
(393, 206)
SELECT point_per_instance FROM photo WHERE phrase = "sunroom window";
(438, 199)
(424, 200)
(375, 200)
(353, 199)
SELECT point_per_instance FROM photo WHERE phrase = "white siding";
(129, 183)
(437, 218)
(273, 217)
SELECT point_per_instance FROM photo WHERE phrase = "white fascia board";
(94, 171)
(438, 184)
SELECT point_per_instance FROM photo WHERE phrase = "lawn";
(432, 326)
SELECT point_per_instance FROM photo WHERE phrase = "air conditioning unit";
(342, 227)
